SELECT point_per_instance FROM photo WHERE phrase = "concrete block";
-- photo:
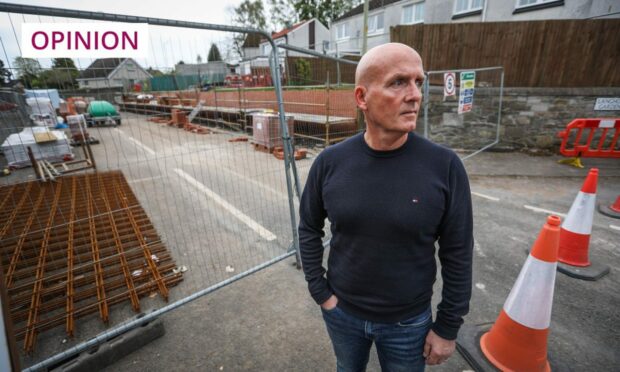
(526, 113)
(113, 350)
(523, 120)
(452, 120)
(541, 107)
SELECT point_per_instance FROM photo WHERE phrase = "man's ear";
(360, 97)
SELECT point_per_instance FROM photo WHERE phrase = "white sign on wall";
(449, 84)
(466, 92)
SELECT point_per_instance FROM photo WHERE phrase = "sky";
(168, 45)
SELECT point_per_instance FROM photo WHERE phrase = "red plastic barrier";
(604, 147)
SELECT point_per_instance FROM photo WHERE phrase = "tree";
(283, 13)
(324, 10)
(62, 75)
(198, 59)
(154, 72)
(250, 14)
(64, 63)
(180, 62)
(28, 71)
(214, 54)
(302, 68)
(5, 74)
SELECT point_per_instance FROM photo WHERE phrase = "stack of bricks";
(179, 118)
(188, 102)
(278, 153)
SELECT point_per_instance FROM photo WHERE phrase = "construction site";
(147, 229)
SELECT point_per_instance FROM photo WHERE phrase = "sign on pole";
(449, 84)
(466, 93)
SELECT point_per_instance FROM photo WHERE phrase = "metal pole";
(316, 54)
(288, 148)
(501, 99)
(426, 91)
(327, 113)
(365, 31)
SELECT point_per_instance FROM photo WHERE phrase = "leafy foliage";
(214, 54)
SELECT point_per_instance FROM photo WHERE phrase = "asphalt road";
(222, 208)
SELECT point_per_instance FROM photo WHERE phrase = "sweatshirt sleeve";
(311, 222)
(455, 254)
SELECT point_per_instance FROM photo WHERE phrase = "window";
(375, 23)
(529, 5)
(342, 31)
(466, 6)
(531, 2)
(413, 13)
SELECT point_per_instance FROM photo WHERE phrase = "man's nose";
(414, 93)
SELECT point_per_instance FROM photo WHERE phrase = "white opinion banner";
(85, 40)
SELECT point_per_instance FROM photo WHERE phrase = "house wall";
(99, 83)
(129, 70)
(442, 11)
(250, 52)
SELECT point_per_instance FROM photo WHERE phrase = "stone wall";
(530, 117)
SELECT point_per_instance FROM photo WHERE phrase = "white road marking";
(259, 184)
(263, 232)
(541, 210)
(485, 196)
(136, 142)
(145, 179)
(614, 227)
(518, 240)
(481, 287)
(479, 249)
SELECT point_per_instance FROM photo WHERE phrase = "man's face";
(393, 94)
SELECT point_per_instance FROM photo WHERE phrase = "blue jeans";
(399, 345)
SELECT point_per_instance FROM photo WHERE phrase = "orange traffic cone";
(518, 339)
(575, 234)
(612, 210)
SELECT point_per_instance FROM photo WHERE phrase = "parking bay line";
(136, 142)
(263, 232)
(492, 198)
(542, 210)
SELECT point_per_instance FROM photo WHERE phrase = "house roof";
(372, 4)
(275, 35)
(252, 41)
(101, 68)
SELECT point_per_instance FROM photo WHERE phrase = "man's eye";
(419, 83)
(398, 82)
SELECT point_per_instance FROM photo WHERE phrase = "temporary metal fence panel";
(464, 112)
(140, 210)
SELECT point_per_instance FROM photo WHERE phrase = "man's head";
(388, 82)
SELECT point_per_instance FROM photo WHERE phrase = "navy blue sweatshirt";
(387, 209)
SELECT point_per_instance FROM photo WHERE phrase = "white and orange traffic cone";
(611, 210)
(518, 339)
(575, 234)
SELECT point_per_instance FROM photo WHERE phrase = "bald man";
(389, 195)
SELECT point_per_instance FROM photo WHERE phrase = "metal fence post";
(426, 101)
(288, 148)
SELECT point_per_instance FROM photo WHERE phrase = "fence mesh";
(140, 197)
(158, 185)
